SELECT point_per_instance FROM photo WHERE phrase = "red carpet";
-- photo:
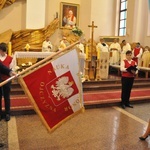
(22, 103)
(18, 103)
(114, 96)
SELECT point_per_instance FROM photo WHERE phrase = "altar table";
(37, 55)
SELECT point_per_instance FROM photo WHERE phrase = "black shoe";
(123, 106)
(1, 145)
(7, 117)
(129, 106)
(142, 138)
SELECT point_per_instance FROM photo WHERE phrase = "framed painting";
(69, 15)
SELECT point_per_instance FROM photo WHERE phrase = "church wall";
(134, 18)
(103, 14)
(145, 26)
(13, 17)
(85, 17)
(137, 22)
(138, 33)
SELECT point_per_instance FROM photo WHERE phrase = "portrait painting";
(69, 15)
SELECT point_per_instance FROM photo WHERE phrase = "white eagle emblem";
(63, 88)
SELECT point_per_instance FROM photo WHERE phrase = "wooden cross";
(92, 38)
(91, 70)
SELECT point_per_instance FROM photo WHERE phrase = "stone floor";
(105, 128)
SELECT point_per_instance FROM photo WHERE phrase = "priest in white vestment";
(145, 60)
(102, 46)
(82, 57)
(63, 43)
(47, 45)
(115, 50)
(125, 48)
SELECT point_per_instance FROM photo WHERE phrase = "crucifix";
(92, 35)
(92, 72)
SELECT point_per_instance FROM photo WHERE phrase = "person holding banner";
(6, 60)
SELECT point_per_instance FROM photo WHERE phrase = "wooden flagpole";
(38, 63)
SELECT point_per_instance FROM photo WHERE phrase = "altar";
(28, 58)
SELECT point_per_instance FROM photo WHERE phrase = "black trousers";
(5, 92)
(127, 84)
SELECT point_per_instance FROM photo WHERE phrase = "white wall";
(85, 17)
(103, 14)
(137, 22)
(13, 17)
(35, 18)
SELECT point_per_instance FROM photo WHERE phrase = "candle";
(9, 48)
(86, 52)
(98, 53)
(27, 47)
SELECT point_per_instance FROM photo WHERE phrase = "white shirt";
(122, 66)
(102, 48)
(125, 48)
(116, 46)
(81, 47)
(2, 58)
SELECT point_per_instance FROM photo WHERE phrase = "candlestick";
(98, 53)
(86, 52)
(27, 47)
(9, 48)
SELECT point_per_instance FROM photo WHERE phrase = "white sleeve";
(140, 53)
(122, 67)
(129, 46)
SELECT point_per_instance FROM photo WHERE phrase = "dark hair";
(138, 43)
(128, 52)
(3, 47)
(123, 41)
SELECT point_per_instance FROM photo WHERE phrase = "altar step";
(95, 93)
(113, 84)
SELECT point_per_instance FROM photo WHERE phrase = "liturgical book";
(131, 68)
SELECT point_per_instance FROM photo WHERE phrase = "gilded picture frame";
(69, 15)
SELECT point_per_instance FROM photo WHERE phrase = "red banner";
(55, 89)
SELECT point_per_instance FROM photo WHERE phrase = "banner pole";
(38, 63)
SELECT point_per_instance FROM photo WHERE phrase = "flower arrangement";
(22, 66)
(77, 31)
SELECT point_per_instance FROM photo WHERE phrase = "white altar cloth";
(29, 55)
